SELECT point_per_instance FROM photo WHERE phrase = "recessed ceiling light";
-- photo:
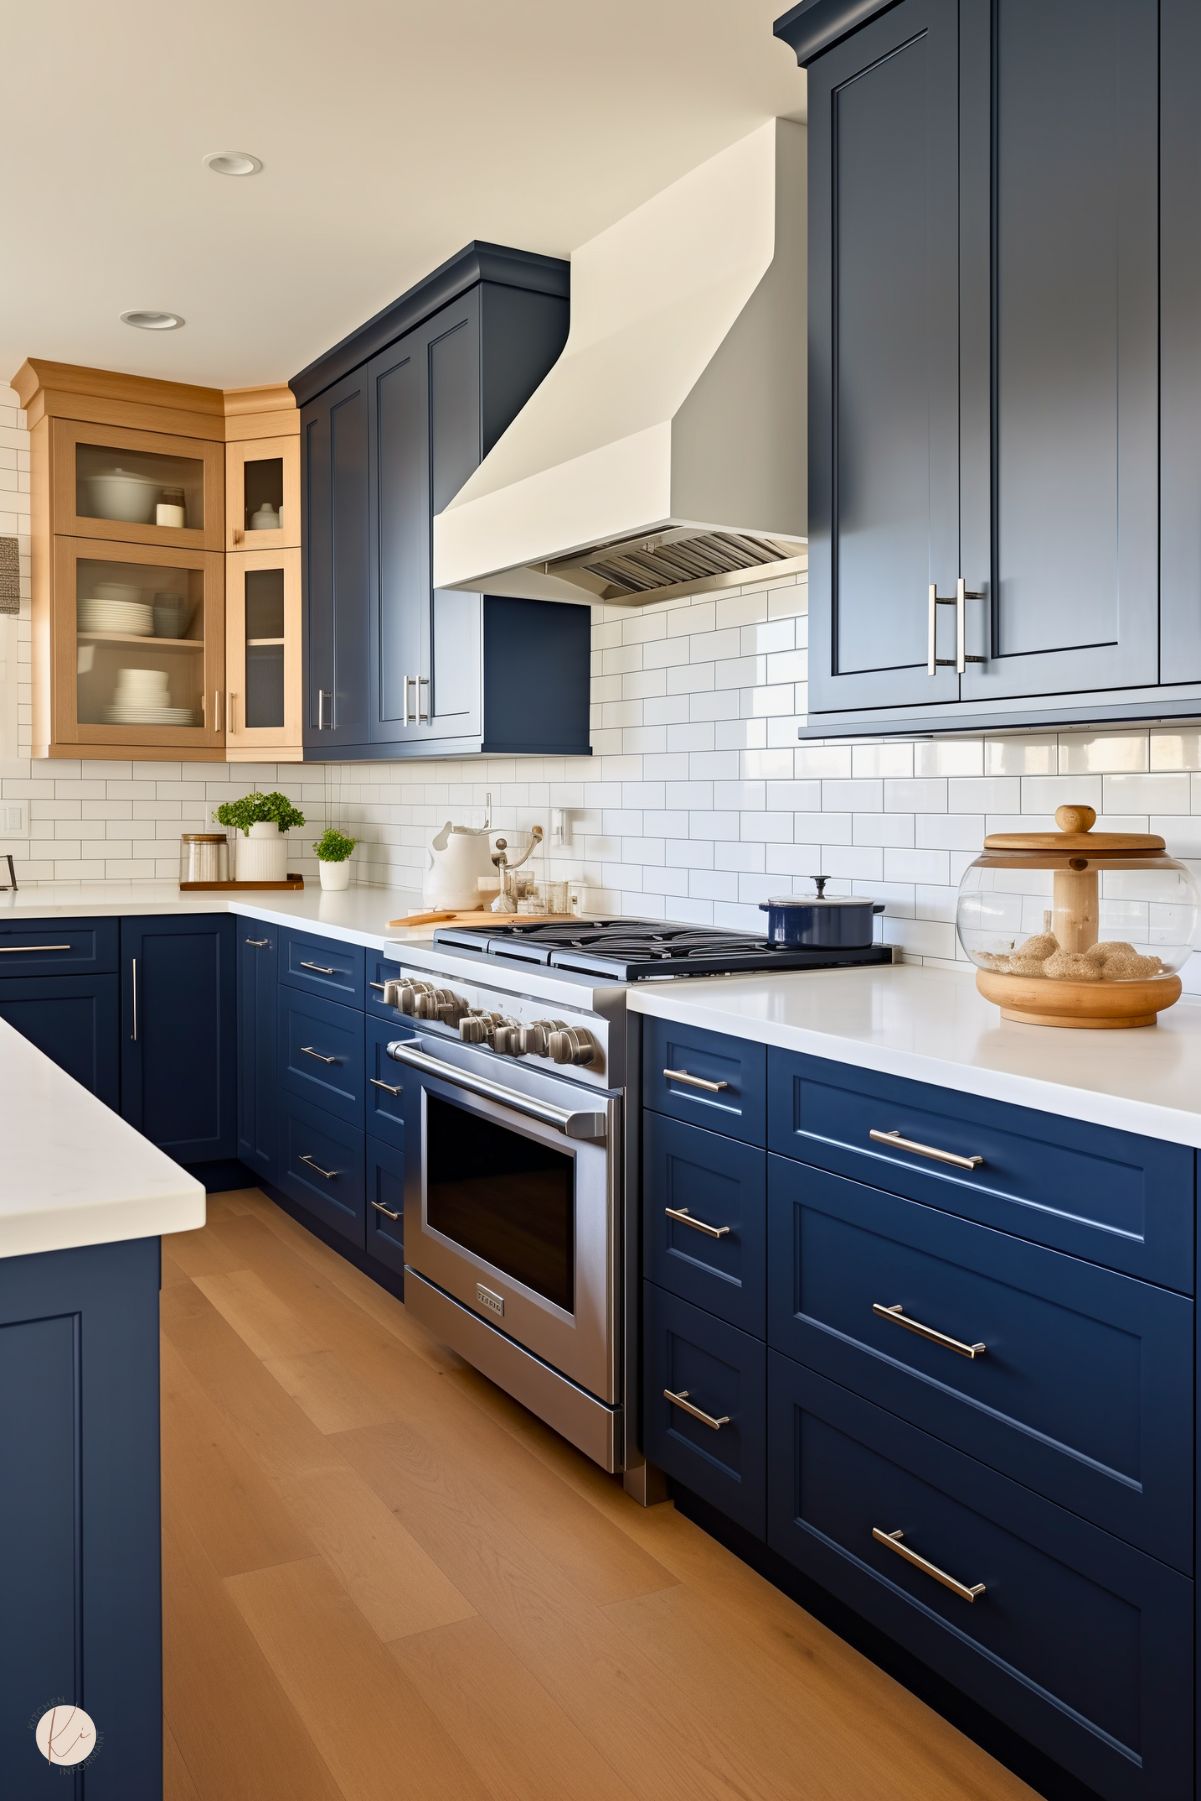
(149, 319)
(232, 162)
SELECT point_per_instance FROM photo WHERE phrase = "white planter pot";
(263, 856)
(335, 876)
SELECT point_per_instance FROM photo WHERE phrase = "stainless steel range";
(521, 1191)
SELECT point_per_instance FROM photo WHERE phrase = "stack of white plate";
(128, 618)
(142, 697)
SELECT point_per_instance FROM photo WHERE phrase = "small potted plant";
(332, 851)
(264, 821)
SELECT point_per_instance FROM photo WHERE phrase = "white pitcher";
(459, 856)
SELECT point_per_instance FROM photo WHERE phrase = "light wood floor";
(386, 1582)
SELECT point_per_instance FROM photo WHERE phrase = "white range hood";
(665, 451)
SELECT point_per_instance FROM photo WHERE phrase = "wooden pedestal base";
(1036, 1001)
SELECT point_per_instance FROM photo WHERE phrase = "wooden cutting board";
(479, 918)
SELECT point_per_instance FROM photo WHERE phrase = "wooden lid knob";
(1075, 819)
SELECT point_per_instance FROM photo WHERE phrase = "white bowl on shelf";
(120, 494)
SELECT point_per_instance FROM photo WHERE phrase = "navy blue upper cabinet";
(334, 494)
(438, 673)
(987, 223)
(179, 1035)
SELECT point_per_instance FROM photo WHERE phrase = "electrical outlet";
(14, 819)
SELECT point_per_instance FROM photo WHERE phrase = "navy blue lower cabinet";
(703, 1217)
(1083, 1645)
(1070, 1378)
(384, 1093)
(58, 947)
(321, 1167)
(1112, 1197)
(74, 1020)
(321, 1054)
(258, 1106)
(179, 1041)
(380, 970)
(706, 1077)
(384, 1223)
(80, 1614)
(323, 966)
(703, 1405)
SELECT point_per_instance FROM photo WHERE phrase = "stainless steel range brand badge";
(487, 1297)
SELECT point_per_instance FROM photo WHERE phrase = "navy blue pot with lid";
(820, 921)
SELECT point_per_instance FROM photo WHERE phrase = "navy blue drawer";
(696, 1186)
(384, 1094)
(721, 1372)
(1083, 1389)
(321, 1054)
(704, 1077)
(380, 969)
(324, 966)
(1112, 1197)
(1079, 1642)
(384, 1223)
(58, 947)
(323, 1162)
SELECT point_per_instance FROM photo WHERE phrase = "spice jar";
(1076, 928)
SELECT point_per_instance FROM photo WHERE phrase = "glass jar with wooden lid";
(1076, 927)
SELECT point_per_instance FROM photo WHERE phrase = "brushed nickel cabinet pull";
(899, 1317)
(381, 986)
(897, 1143)
(259, 944)
(321, 694)
(217, 718)
(330, 1175)
(380, 1208)
(386, 1086)
(893, 1540)
(423, 718)
(229, 715)
(689, 1081)
(962, 595)
(27, 950)
(133, 994)
(935, 600)
(407, 719)
(319, 969)
(698, 1225)
(310, 1050)
(681, 1401)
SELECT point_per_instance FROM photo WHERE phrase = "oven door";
(510, 1201)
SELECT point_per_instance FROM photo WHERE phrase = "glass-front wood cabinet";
(263, 674)
(262, 494)
(138, 487)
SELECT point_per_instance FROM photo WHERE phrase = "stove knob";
(433, 1003)
(451, 1007)
(571, 1044)
(535, 1037)
(407, 994)
(477, 1028)
(507, 1038)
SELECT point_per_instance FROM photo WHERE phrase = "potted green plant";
(332, 851)
(264, 820)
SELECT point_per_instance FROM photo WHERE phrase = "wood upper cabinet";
(109, 481)
(262, 655)
(988, 221)
(262, 483)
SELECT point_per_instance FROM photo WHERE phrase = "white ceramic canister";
(263, 856)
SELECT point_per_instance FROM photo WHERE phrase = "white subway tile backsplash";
(1082, 753)
(1146, 793)
(1037, 754)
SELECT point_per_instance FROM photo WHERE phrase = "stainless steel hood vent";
(664, 453)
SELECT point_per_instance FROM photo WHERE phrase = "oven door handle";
(565, 1119)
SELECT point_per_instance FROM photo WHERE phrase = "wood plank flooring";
(385, 1581)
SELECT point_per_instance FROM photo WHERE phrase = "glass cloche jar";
(1075, 928)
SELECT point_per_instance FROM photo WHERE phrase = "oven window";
(504, 1197)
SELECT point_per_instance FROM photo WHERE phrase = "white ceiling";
(391, 132)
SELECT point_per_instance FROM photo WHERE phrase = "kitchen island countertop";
(932, 1026)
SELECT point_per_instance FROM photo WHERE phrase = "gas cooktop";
(640, 950)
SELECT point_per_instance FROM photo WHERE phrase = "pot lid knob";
(819, 882)
(1075, 819)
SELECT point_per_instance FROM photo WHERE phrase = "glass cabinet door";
(262, 494)
(263, 654)
(137, 487)
(140, 645)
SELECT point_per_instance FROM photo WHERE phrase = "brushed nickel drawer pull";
(686, 1406)
(698, 1225)
(27, 950)
(893, 1541)
(309, 1050)
(897, 1143)
(319, 969)
(899, 1317)
(331, 1175)
(381, 986)
(682, 1075)
(259, 944)
(386, 1086)
(380, 1208)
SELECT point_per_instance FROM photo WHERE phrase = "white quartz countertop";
(932, 1026)
(71, 1171)
(357, 916)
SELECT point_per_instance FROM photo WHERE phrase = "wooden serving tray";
(289, 881)
(481, 918)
